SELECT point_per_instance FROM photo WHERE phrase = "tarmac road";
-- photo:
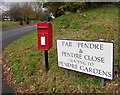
(8, 36)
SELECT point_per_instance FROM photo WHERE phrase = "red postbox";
(44, 36)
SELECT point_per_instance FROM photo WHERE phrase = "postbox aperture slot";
(43, 31)
(42, 28)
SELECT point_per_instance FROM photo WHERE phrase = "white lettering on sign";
(94, 58)
(43, 40)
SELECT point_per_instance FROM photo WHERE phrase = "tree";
(28, 12)
(15, 12)
(58, 9)
(55, 8)
(37, 7)
(22, 12)
(74, 6)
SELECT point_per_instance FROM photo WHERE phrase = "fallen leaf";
(19, 91)
(53, 90)
(78, 87)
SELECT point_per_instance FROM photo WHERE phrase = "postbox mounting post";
(46, 60)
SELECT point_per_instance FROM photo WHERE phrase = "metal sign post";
(102, 79)
(102, 82)
(66, 73)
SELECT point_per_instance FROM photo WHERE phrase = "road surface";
(9, 35)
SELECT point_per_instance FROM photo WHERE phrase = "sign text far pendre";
(84, 45)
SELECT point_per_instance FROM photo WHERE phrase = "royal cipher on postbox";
(44, 36)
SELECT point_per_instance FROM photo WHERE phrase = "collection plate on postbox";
(44, 36)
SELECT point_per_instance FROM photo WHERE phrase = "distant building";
(5, 17)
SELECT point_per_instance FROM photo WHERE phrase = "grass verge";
(6, 24)
(24, 64)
